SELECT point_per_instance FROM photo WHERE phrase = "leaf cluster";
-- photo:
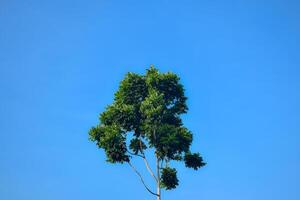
(169, 178)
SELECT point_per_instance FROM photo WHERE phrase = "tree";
(146, 111)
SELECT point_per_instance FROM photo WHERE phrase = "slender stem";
(146, 163)
(157, 170)
(138, 173)
(149, 169)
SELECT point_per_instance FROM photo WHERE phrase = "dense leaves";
(169, 178)
(112, 140)
(137, 145)
(193, 160)
(172, 141)
(152, 109)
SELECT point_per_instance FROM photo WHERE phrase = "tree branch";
(135, 154)
(149, 169)
(146, 163)
(138, 173)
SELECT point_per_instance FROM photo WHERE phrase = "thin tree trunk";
(158, 179)
(157, 171)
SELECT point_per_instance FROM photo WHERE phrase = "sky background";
(62, 61)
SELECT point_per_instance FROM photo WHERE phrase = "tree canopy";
(146, 111)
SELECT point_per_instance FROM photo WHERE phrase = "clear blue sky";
(61, 61)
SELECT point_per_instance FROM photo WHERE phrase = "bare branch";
(146, 163)
(149, 169)
(138, 173)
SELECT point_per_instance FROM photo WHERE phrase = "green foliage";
(172, 141)
(152, 107)
(112, 140)
(137, 145)
(193, 160)
(169, 178)
(146, 110)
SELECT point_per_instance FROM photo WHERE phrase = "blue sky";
(61, 61)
